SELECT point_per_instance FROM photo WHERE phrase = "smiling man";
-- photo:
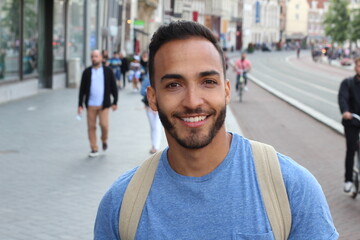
(206, 185)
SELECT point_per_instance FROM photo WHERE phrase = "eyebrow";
(178, 76)
(171, 76)
(209, 73)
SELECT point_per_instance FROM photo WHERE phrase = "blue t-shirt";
(224, 204)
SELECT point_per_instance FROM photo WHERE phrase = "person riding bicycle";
(242, 67)
(349, 102)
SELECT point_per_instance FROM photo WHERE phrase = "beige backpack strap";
(273, 189)
(135, 197)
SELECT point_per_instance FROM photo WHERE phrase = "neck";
(199, 162)
(97, 66)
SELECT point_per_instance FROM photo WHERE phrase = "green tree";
(11, 19)
(355, 26)
(337, 21)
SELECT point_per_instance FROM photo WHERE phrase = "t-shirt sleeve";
(107, 218)
(311, 218)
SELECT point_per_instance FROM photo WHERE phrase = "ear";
(227, 91)
(151, 95)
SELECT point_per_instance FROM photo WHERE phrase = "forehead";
(95, 54)
(185, 53)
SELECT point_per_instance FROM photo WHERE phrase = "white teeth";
(194, 119)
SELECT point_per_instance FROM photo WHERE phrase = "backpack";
(270, 180)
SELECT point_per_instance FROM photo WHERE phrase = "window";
(93, 24)
(9, 39)
(30, 44)
(76, 29)
(59, 37)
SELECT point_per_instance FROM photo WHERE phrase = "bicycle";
(355, 188)
(240, 85)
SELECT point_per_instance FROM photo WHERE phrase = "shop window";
(76, 29)
(9, 39)
(30, 44)
(58, 42)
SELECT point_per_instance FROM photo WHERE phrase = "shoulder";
(107, 221)
(107, 69)
(87, 70)
(309, 209)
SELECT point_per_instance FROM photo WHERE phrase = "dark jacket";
(109, 89)
(124, 65)
(349, 97)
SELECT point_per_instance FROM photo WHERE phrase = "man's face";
(243, 56)
(190, 92)
(96, 58)
(357, 68)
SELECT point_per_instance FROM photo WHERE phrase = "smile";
(194, 119)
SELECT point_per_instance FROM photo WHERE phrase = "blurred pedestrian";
(153, 117)
(349, 102)
(135, 73)
(97, 86)
(115, 65)
(105, 57)
(298, 49)
(2, 62)
(124, 67)
(205, 184)
(144, 64)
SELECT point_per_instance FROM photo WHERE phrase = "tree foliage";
(11, 19)
(337, 21)
(355, 26)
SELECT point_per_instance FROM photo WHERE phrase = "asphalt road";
(314, 85)
(266, 118)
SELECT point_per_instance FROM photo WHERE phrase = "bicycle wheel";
(355, 188)
(241, 91)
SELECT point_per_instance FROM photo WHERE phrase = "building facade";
(261, 22)
(38, 38)
(297, 12)
(317, 10)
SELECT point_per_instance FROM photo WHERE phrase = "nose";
(193, 97)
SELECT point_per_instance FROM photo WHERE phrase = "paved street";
(266, 118)
(49, 188)
(314, 85)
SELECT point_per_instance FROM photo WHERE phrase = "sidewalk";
(49, 188)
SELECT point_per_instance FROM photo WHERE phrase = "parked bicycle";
(355, 188)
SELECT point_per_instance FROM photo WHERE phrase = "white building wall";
(267, 30)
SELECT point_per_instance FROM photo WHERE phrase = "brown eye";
(173, 85)
(210, 82)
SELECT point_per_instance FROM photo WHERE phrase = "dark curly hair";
(180, 30)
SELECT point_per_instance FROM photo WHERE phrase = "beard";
(195, 139)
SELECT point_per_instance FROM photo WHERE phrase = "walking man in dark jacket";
(97, 84)
(349, 102)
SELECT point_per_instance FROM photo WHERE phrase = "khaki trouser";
(92, 114)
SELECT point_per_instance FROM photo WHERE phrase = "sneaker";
(348, 186)
(246, 89)
(105, 146)
(93, 153)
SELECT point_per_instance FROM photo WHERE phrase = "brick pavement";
(266, 118)
(49, 188)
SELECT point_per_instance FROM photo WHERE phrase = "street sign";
(139, 24)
